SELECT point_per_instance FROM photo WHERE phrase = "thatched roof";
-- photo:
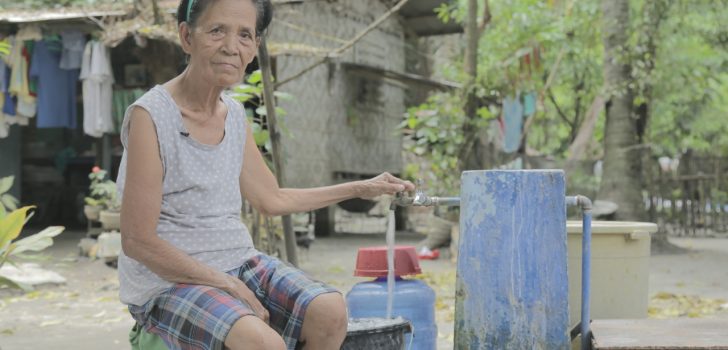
(118, 21)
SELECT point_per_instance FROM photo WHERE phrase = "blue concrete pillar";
(512, 289)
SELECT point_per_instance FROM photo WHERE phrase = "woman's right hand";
(238, 289)
(385, 183)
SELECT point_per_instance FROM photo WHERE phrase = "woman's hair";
(191, 12)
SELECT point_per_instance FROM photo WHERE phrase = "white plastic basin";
(619, 270)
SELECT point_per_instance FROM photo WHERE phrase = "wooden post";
(275, 138)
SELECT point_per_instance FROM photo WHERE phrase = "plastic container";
(376, 333)
(413, 299)
(372, 262)
(619, 269)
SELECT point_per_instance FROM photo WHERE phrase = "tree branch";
(486, 19)
(559, 111)
(546, 87)
(586, 131)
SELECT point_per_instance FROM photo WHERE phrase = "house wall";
(339, 122)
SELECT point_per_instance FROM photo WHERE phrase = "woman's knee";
(251, 333)
(329, 312)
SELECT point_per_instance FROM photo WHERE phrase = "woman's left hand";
(385, 183)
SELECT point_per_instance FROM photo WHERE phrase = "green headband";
(189, 8)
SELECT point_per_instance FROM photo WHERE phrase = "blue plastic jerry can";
(413, 300)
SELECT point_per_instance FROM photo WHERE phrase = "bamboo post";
(275, 137)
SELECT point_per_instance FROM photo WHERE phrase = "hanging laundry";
(97, 78)
(56, 87)
(513, 123)
(19, 83)
(529, 104)
(8, 107)
(54, 44)
(32, 83)
(123, 98)
(74, 43)
(4, 127)
(29, 32)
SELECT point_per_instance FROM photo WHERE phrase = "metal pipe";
(446, 201)
(586, 208)
(422, 200)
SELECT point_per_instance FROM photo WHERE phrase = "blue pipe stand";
(512, 287)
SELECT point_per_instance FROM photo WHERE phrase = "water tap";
(420, 199)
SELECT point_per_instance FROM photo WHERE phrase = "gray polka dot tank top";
(201, 198)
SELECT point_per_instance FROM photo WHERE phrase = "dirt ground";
(85, 313)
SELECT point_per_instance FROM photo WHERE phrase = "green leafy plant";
(251, 92)
(11, 224)
(102, 191)
(7, 201)
(433, 132)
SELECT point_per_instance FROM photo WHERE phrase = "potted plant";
(110, 216)
(94, 202)
(103, 203)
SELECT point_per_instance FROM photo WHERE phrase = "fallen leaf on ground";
(113, 320)
(50, 323)
(669, 305)
(107, 299)
(336, 269)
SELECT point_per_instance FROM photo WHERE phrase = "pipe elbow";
(581, 201)
(584, 202)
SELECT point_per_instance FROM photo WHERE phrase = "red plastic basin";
(372, 262)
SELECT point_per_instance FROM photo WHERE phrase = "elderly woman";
(189, 271)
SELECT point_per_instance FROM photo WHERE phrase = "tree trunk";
(621, 179)
(468, 156)
(653, 13)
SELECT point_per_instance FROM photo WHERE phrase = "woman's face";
(223, 41)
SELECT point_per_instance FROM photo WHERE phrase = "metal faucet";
(421, 199)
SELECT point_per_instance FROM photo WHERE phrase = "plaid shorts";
(199, 317)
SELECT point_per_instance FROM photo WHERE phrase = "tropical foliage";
(250, 93)
(12, 220)
(677, 53)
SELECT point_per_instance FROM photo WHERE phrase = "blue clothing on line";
(74, 43)
(529, 104)
(513, 123)
(56, 88)
(8, 107)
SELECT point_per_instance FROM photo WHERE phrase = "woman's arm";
(140, 209)
(260, 187)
